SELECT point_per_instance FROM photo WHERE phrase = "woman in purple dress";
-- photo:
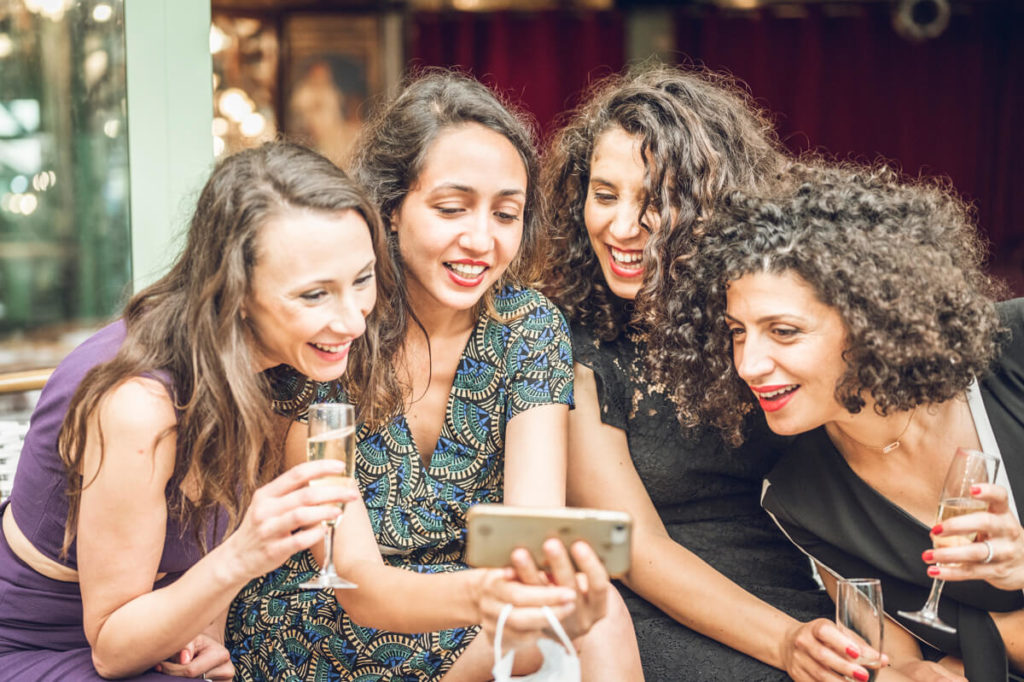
(145, 496)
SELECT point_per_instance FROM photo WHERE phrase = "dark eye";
(736, 331)
(364, 279)
(604, 197)
(785, 332)
(506, 217)
(313, 296)
(449, 210)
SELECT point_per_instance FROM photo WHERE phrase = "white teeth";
(626, 257)
(466, 270)
(330, 349)
(774, 394)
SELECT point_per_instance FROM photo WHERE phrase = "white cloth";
(560, 661)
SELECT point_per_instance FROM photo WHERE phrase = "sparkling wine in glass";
(332, 435)
(859, 615)
(968, 468)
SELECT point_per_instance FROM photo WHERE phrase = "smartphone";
(494, 530)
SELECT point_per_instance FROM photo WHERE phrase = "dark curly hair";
(700, 134)
(899, 260)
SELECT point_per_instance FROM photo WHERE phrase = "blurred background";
(111, 112)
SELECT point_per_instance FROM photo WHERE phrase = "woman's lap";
(277, 631)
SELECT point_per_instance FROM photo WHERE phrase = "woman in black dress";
(716, 591)
(857, 314)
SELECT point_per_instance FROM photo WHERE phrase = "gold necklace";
(886, 449)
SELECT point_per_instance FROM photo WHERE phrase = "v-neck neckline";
(427, 466)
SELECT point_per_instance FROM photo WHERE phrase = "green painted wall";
(170, 110)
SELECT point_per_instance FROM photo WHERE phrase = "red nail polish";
(860, 675)
(933, 571)
(937, 529)
(852, 652)
(928, 555)
(975, 489)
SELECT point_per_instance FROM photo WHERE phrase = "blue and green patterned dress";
(418, 512)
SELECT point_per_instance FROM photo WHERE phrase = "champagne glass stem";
(931, 606)
(329, 569)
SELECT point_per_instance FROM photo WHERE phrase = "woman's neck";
(439, 321)
(911, 474)
(916, 434)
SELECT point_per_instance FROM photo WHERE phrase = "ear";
(243, 312)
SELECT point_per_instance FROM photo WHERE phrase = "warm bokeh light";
(102, 12)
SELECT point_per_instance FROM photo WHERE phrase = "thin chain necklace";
(886, 449)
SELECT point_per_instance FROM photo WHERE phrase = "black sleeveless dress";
(708, 498)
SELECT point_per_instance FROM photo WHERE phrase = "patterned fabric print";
(277, 632)
(418, 513)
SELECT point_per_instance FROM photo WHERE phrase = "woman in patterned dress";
(484, 368)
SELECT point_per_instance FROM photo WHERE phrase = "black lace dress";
(708, 498)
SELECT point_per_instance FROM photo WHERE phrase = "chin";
(782, 428)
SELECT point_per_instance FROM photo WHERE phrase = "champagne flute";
(332, 435)
(860, 615)
(968, 468)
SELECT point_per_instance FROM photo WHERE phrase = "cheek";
(369, 301)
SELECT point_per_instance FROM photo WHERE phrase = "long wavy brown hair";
(188, 329)
(391, 153)
(900, 260)
(699, 132)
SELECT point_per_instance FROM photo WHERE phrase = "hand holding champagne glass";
(860, 616)
(332, 435)
(968, 468)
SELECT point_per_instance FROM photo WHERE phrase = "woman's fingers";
(821, 651)
(526, 569)
(202, 657)
(559, 563)
(591, 566)
(981, 546)
(503, 591)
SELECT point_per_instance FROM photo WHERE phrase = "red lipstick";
(774, 403)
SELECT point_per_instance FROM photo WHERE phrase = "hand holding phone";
(495, 530)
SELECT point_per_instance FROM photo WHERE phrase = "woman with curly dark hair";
(853, 309)
(715, 589)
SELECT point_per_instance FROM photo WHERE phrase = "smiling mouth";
(774, 398)
(466, 270)
(337, 348)
(626, 263)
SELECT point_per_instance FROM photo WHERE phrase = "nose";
(476, 236)
(626, 223)
(349, 318)
(753, 360)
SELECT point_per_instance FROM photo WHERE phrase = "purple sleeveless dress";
(41, 635)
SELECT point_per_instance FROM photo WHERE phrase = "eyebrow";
(466, 189)
(773, 318)
(601, 181)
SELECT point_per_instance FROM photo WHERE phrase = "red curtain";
(849, 84)
(839, 80)
(542, 59)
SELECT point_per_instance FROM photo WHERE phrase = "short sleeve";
(538, 357)
(292, 392)
(602, 359)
